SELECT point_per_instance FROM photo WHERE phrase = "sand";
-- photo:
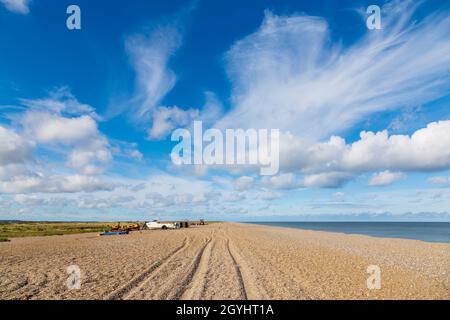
(224, 261)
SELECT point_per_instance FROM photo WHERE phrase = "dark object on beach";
(183, 224)
(113, 233)
(202, 222)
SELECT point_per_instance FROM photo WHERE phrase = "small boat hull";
(113, 233)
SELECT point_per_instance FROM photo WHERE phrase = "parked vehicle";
(159, 225)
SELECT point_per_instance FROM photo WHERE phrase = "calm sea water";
(425, 231)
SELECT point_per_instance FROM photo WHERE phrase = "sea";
(425, 231)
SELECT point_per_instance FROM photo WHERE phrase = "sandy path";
(223, 261)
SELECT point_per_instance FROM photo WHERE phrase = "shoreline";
(224, 261)
(268, 224)
(271, 224)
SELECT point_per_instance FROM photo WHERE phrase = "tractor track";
(237, 269)
(226, 261)
(169, 282)
(195, 271)
(248, 284)
(142, 278)
(198, 279)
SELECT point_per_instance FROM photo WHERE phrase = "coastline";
(224, 261)
(274, 224)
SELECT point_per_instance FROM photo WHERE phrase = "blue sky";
(86, 115)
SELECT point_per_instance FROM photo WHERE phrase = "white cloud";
(54, 184)
(136, 154)
(327, 179)
(288, 76)
(282, 181)
(88, 150)
(61, 121)
(127, 149)
(14, 149)
(89, 160)
(60, 101)
(234, 196)
(427, 149)
(150, 55)
(384, 178)
(439, 180)
(46, 125)
(166, 119)
(49, 128)
(17, 6)
(28, 200)
(115, 201)
(243, 183)
(270, 195)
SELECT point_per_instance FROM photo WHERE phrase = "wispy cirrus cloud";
(150, 55)
(290, 75)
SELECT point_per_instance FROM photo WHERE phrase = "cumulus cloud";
(17, 6)
(60, 125)
(28, 200)
(47, 128)
(440, 181)
(327, 179)
(89, 160)
(115, 201)
(288, 75)
(243, 183)
(288, 181)
(61, 121)
(126, 149)
(14, 149)
(333, 162)
(159, 200)
(269, 195)
(234, 196)
(384, 178)
(427, 149)
(282, 181)
(54, 184)
(166, 119)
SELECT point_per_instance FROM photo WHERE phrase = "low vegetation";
(14, 229)
(31, 229)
